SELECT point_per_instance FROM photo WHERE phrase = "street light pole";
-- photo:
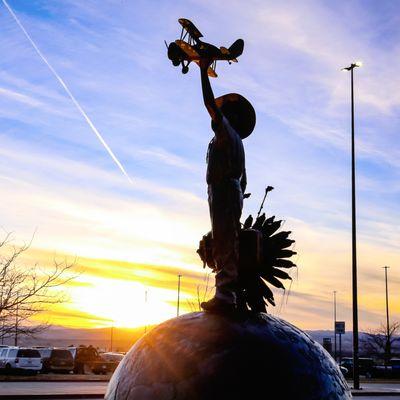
(111, 336)
(179, 292)
(387, 317)
(334, 320)
(356, 375)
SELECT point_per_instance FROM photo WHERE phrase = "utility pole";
(179, 293)
(111, 338)
(388, 349)
(145, 304)
(356, 372)
(334, 321)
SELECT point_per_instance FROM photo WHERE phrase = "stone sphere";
(207, 356)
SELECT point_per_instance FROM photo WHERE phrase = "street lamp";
(111, 336)
(388, 349)
(334, 320)
(356, 375)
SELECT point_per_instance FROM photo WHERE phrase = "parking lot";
(92, 389)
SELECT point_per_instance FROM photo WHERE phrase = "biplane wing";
(190, 28)
(193, 55)
(188, 49)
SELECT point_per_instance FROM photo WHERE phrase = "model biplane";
(190, 48)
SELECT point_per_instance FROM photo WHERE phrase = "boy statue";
(232, 119)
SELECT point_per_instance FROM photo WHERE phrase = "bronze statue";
(232, 118)
(243, 258)
(204, 355)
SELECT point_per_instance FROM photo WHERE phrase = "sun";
(125, 303)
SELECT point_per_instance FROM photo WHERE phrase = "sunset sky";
(57, 180)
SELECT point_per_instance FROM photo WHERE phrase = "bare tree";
(377, 343)
(27, 290)
(203, 292)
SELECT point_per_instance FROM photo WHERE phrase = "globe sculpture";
(207, 356)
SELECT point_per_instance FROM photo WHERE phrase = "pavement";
(43, 390)
(370, 389)
(379, 398)
(52, 377)
(95, 390)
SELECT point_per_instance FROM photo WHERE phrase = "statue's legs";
(226, 202)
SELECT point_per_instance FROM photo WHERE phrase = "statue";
(226, 180)
(243, 259)
(234, 350)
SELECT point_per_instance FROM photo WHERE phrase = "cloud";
(55, 176)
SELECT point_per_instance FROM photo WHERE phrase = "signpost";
(340, 329)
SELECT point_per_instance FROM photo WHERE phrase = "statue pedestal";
(203, 356)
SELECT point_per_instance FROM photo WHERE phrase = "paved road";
(360, 398)
(43, 388)
(375, 398)
(387, 387)
(99, 388)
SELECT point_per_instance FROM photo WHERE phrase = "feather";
(284, 253)
(281, 235)
(280, 274)
(270, 229)
(282, 263)
(269, 220)
(249, 221)
(273, 281)
(259, 222)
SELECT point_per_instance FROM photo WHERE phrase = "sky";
(131, 238)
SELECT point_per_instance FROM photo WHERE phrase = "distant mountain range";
(123, 338)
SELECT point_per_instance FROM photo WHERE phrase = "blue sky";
(57, 178)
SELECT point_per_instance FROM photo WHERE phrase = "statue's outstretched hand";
(205, 63)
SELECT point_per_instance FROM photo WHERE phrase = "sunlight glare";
(123, 302)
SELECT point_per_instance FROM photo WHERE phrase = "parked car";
(3, 352)
(56, 360)
(113, 358)
(16, 359)
(87, 359)
(366, 366)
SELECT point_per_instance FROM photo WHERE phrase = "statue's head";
(239, 112)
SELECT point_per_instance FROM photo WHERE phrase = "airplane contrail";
(70, 95)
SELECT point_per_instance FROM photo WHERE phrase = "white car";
(112, 356)
(20, 358)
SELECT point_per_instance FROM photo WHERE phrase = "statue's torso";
(225, 157)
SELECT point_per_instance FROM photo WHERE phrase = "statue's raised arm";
(208, 95)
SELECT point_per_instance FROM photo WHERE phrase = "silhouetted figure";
(244, 258)
(232, 118)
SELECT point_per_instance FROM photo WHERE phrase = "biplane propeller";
(189, 48)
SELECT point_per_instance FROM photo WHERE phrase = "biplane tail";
(236, 49)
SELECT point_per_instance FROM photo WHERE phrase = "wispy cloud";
(55, 176)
